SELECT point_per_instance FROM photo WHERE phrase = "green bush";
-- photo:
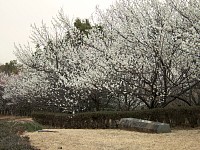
(29, 126)
(51, 119)
(182, 116)
(10, 140)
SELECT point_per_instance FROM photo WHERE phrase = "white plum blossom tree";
(27, 84)
(139, 52)
(156, 46)
(4, 103)
(59, 52)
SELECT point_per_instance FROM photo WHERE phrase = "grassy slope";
(10, 134)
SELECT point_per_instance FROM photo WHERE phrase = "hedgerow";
(182, 116)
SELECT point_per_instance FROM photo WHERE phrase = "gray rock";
(144, 125)
(46, 131)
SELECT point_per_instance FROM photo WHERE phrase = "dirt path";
(79, 139)
(16, 118)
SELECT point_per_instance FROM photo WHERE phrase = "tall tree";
(83, 25)
(10, 68)
(154, 44)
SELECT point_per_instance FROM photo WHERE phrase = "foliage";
(29, 126)
(10, 68)
(83, 26)
(10, 139)
(108, 119)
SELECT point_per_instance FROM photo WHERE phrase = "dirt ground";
(15, 118)
(79, 139)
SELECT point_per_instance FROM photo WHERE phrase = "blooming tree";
(4, 103)
(154, 44)
(59, 54)
(137, 53)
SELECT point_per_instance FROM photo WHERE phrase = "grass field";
(79, 139)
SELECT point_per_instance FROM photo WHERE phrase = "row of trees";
(138, 53)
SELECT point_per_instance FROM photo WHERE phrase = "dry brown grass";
(79, 139)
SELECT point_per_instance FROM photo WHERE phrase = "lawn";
(87, 139)
(81, 139)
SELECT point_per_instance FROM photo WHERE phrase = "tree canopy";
(138, 54)
(10, 68)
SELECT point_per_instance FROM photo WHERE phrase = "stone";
(144, 125)
(46, 131)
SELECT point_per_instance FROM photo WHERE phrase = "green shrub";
(182, 116)
(30, 126)
(10, 140)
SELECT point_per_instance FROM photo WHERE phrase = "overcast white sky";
(16, 16)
